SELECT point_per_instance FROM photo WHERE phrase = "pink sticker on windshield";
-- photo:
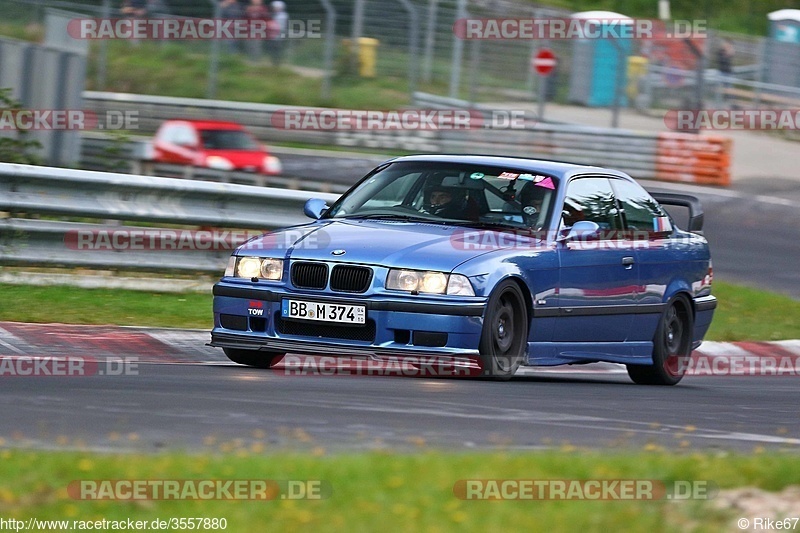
(547, 183)
(508, 176)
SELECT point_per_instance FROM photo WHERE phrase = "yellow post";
(367, 52)
(637, 68)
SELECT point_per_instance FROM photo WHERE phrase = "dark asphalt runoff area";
(753, 231)
(186, 406)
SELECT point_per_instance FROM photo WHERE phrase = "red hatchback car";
(212, 144)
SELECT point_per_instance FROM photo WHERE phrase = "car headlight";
(459, 285)
(218, 163)
(429, 282)
(272, 165)
(255, 267)
(272, 269)
(231, 268)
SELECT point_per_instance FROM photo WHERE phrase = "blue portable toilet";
(782, 53)
(595, 63)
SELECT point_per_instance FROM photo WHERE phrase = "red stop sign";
(544, 62)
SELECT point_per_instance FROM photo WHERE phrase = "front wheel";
(672, 348)
(504, 339)
(253, 358)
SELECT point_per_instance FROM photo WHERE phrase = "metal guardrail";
(641, 154)
(28, 193)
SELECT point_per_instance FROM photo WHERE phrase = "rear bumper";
(704, 307)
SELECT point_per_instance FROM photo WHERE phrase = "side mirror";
(584, 229)
(314, 208)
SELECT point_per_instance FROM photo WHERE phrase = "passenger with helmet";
(532, 199)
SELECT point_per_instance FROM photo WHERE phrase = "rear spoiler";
(683, 200)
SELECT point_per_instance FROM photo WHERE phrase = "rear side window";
(591, 199)
(639, 210)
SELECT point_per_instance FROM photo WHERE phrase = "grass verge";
(71, 305)
(141, 70)
(378, 491)
(743, 313)
(752, 314)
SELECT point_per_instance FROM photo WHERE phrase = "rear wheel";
(504, 339)
(253, 358)
(672, 348)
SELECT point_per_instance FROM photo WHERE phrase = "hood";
(395, 244)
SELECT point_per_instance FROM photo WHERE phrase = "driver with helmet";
(445, 202)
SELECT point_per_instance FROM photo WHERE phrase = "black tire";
(672, 347)
(253, 358)
(504, 339)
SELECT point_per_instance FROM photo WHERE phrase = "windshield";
(227, 140)
(451, 192)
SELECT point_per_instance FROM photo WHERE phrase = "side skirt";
(553, 354)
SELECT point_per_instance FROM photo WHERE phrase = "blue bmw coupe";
(497, 261)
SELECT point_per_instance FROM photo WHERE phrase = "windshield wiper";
(391, 216)
(483, 224)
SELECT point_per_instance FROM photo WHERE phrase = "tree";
(17, 148)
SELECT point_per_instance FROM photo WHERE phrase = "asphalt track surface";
(185, 406)
(177, 393)
(753, 231)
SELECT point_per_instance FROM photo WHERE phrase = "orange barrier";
(686, 157)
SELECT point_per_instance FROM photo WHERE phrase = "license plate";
(324, 312)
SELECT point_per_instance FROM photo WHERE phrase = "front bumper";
(397, 325)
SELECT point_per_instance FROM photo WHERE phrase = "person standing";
(134, 9)
(725, 57)
(281, 27)
(256, 11)
(231, 10)
(725, 65)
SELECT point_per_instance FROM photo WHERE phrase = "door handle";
(628, 262)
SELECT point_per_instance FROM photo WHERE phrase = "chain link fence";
(410, 45)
